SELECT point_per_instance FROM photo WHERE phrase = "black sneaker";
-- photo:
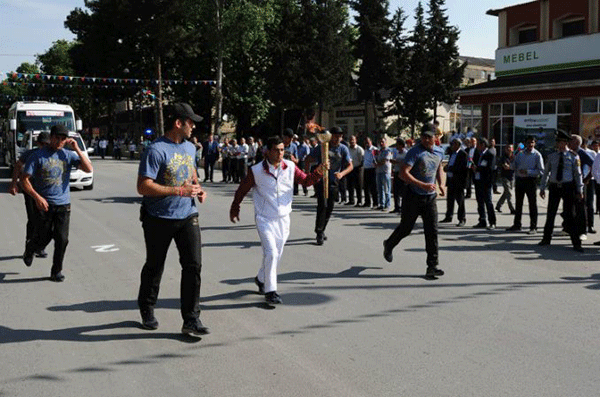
(273, 297)
(544, 242)
(387, 254)
(446, 220)
(149, 322)
(433, 273)
(194, 327)
(261, 286)
(57, 278)
(41, 254)
(514, 228)
(320, 238)
(28, 258)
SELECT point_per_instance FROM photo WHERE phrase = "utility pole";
(219, 93)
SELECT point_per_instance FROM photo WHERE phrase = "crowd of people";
(408, 175)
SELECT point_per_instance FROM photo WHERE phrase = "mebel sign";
(566, 53)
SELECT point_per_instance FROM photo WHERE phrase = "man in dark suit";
(456, 179)
(483, 168)
(210, 154)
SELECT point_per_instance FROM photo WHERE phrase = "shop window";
(564, 106)
(495, 110)
(564, 123)
(508, 109)
(549, 107)
(535, 108)
(589, 105)
(521, 109)
(573, 28)
(527, 35)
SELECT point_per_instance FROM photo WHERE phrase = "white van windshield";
(43, 120)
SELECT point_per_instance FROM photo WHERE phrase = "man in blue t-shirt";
(50, 170)
(420, 171)
(340, 166)
(168, 181)
(42, 140)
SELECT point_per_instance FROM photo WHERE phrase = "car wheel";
(90, 187)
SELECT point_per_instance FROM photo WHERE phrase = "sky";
(29, 27)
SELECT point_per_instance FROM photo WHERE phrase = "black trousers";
(483, 194)
(455, 193)
(242, 169)
(209, 167)
(590, 190)
(566, 192)
(370, 186)
(324, 207)
(355, 184)
(413, 206)
(158, 234)
(225, 168)
(32, 217)
(398, 186)
(526, 186)
(52, 225)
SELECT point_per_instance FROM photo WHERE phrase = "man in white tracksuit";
(273, 183)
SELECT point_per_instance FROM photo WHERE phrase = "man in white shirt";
(355, 177)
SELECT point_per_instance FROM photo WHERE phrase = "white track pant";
(273, 234)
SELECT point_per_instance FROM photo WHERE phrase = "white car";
(79, 179)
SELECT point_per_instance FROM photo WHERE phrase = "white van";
(28, 119)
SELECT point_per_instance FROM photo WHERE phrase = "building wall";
(560, 9)
(522, 15)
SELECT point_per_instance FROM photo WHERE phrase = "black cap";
(288, 132)
(184, 111)
(562, 135)
(59, 129)
(336, 131)
(43, 137)
(428, 129)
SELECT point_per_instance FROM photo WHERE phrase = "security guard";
(562, 174)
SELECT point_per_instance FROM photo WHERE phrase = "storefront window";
(564, 107)
(508, 125)
(495, 110)
(535, 108)
(521, 109)
(589, 105)
(470, 118)
(549, 107)
(590, 118)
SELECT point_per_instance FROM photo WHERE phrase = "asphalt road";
(509, 318)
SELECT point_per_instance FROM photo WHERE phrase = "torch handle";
(325, 159)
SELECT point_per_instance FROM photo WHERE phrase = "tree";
(399, 75)
(443, 62)
(116, 36)
(57, 59)
(373, 49)
(416, 96)
(311, 53)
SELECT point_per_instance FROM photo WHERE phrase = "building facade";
(547, 74)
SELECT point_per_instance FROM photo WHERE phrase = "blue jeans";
(384, 192)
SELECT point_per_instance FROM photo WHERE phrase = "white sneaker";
(491, 227)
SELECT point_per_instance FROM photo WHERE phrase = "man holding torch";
(340, 165)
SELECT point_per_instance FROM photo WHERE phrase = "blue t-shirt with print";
(169, 164)
(424, 165)
(50, 173)
(339, 158)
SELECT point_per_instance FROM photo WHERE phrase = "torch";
(324, 138)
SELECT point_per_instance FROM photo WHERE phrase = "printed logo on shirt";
(427, 167)
(179, 170)
(52, 171)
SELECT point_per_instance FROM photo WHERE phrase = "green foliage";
(442, 48)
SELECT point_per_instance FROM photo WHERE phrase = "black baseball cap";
(336, 131)
(59, 129)
(183, 110)
(428, 129)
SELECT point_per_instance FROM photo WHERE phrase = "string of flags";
(107, 81)
(43, 84)
(147, 93)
